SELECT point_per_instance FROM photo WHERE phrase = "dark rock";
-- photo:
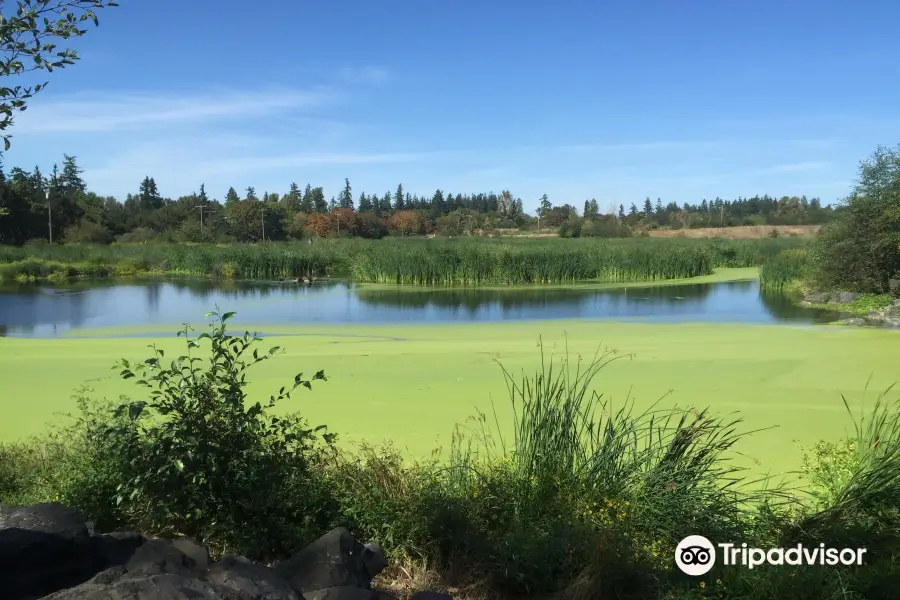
(50, 517)
(386, 596)
(108, 576)
(430, 596)
(855, 321)
(117, 548)
(335, 559)
(844, 297)
(252, 581)
(374, 559)
(43, 548)
(342, 592)
(160, 556)
(166, 586)
(820, 298)
(194, 550)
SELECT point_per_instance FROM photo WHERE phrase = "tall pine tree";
(399, 200)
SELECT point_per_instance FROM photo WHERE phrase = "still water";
(47, 311)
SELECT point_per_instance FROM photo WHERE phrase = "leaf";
(135, 409)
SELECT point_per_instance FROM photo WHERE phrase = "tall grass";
(406, 261)
(783, 268)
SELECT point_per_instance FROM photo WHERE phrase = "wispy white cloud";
(246, 164)
(371, 75)
(798, 167)
(180, 164)
(640, 146)
(94, 113)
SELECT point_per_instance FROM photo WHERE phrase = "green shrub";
(87, 232)
(860, 249)
(195, 457)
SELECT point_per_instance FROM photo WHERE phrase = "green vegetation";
(60, 208)
(859, 251)
(781, 270)
(470, 261)
(578, 496)
(28, 37)
(862, 306)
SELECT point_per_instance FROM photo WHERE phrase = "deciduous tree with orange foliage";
(407, 222)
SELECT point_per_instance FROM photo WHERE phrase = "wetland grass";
(416, 261)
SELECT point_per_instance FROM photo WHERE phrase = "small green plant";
(199, 458)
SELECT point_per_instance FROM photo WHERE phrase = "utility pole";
(262, 219)
(201, 208)
(49, 216)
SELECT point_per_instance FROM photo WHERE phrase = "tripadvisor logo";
(695, 555)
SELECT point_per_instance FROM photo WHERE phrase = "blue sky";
(610, 100)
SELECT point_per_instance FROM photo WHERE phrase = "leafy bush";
(860, 249)
(195, 458)
(87, 232)
(139, 235)
(571, 227)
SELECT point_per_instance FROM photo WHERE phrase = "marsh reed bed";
(784, 268)
(412, 261)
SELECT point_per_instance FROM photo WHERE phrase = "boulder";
(374, 559)
(116, 548)
(843, 298)
(819, 298)
(43, 548)
(193, 550)
(50, 517)
(160, 556)
(165, 586)
(341, 592)
(336, 559)
(249, 579)
(855, 321)
(894, 286)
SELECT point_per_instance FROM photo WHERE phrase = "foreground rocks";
(47, 551)
(831, 298)
(885, 317)
(889, 316)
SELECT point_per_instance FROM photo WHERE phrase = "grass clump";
(783, 269)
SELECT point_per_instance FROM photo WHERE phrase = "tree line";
(58, 207)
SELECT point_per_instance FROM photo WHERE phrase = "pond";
(52, 310)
